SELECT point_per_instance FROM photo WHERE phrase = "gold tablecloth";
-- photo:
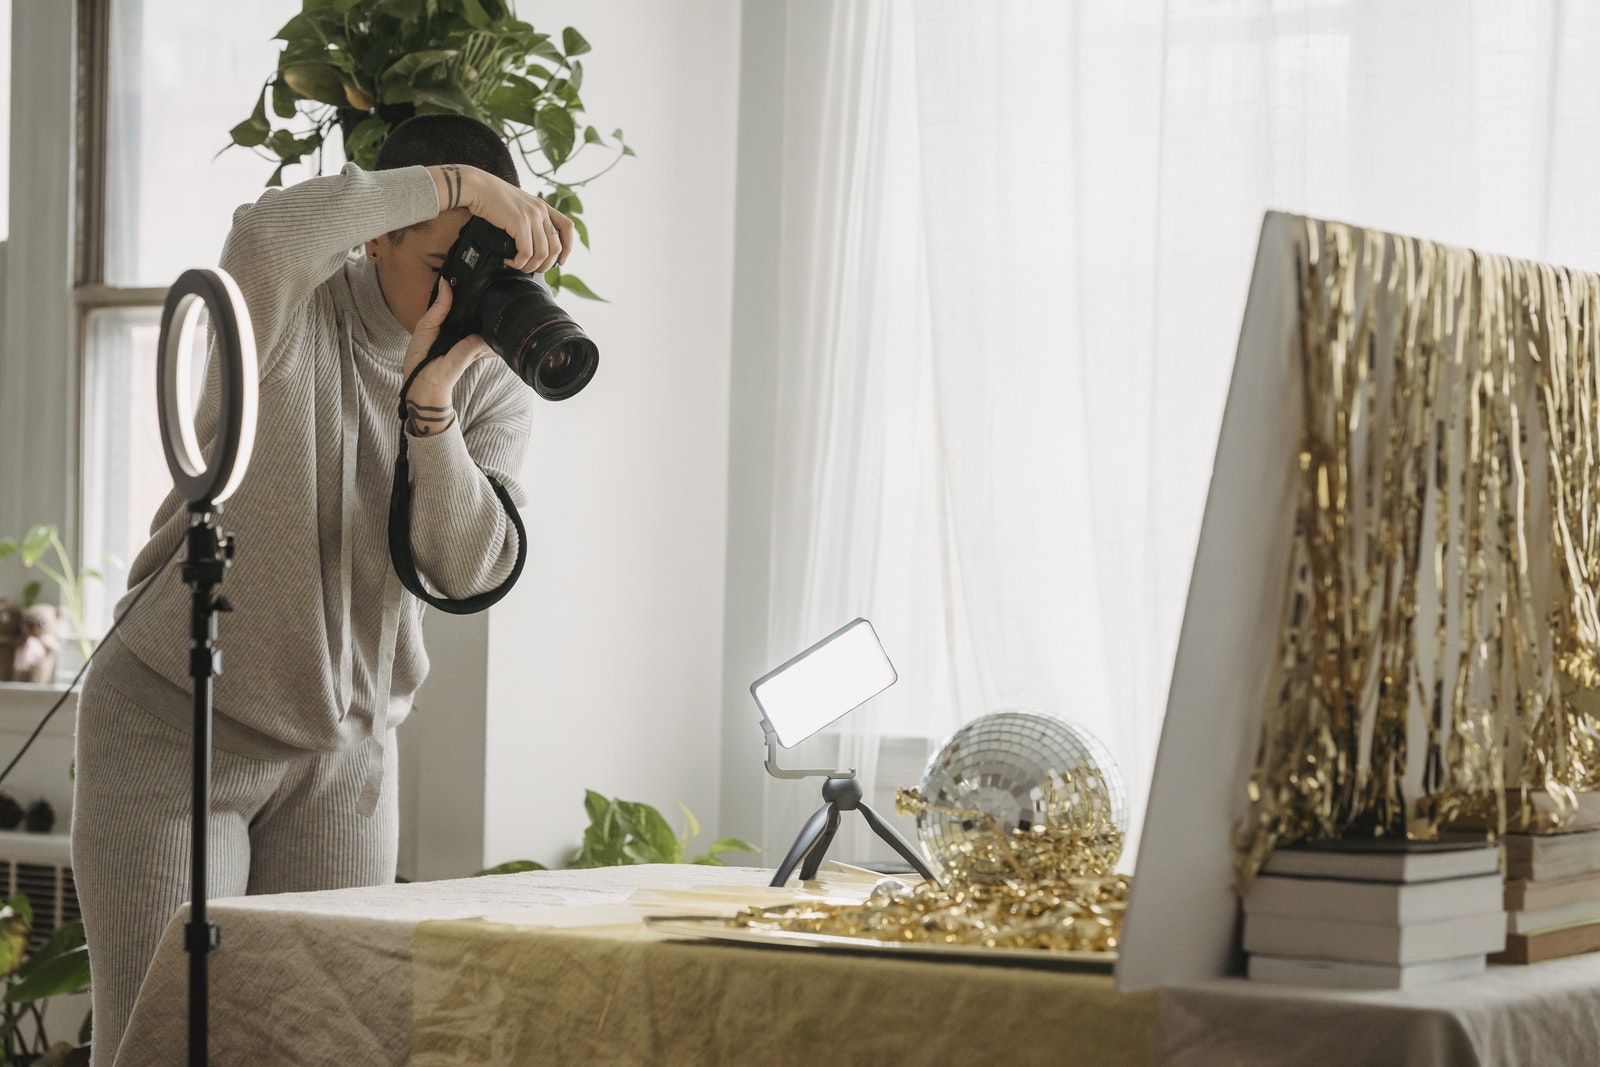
(555, 967)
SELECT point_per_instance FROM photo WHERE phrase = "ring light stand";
(205, 482)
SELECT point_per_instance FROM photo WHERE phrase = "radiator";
(38, 866)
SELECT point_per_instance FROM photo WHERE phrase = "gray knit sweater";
(324, 647)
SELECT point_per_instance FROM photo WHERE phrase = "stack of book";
(1552, 895)
(1375, 914)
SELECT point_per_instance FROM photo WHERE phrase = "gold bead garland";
(1058, 890)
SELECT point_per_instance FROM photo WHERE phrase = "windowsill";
(23, 704)
(25, 688)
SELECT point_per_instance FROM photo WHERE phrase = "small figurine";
(10, 636)
(35, 657)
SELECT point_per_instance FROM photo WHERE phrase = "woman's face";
(408, 266)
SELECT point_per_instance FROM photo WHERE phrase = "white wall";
(604, 667)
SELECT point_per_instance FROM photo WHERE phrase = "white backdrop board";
(1182, 913)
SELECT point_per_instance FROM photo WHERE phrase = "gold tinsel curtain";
(1439, 640)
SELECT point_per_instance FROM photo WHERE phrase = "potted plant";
(57, 967)
(34, 548)
(624, 832)
(366, 65)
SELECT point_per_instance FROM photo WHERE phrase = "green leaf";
(30, 594)
(282, 98)
(573, 42)
(400, 9)
(605, 837)
(652, 838)
(277, 177)
(35, 542)
(732, 844)
(592, 136)
(556, 133)
(543, 48)
(515, 103)
(247, 134)
(366, 136)
(86, 1031)
(13, 939)
(66, 973)
(447, 98)
(512, 867)
(66, 937)
(693, 829)
(315, 81)
(475, 15)
(708, 860)
(408, 67)
(552, 278)
(9, 546)
(571, 282)
(582, 228)
(19, 903)
(597, 807)
(576, 77)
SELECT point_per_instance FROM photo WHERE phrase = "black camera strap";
(405, 565)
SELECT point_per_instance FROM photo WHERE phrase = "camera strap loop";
(405, 565)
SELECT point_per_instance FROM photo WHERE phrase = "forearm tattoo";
(452, 185)
(424, 420)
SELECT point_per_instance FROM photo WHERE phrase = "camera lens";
(536, 338)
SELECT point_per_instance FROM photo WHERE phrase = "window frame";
(39, 449)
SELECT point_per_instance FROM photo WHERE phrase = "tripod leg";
(898, 843)
(803, 843)
(808, 869)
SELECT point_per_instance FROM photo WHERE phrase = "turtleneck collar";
(383, 330)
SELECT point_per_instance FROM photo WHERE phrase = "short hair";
(432, 140)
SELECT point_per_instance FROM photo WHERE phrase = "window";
(5, 121)
(168, 202)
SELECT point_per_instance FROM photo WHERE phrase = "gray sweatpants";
(280, 824)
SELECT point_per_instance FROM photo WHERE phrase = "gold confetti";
(1050, 886)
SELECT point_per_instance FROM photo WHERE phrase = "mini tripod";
(841, 791)
(840, 794)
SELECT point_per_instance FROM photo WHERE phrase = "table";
(554, 967)
(1544, 1015)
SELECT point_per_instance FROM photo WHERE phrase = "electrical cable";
(72, 685)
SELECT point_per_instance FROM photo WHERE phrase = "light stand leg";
(808, 869)
(804, 841)
(896, 842)
(210, 552)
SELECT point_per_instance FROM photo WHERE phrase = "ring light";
(213, 478)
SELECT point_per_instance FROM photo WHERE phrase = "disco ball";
(1026, 770)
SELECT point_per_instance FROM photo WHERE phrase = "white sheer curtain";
(1016, 243)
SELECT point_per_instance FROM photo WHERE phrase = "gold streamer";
(1450, 401)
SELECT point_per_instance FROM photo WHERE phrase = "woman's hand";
(544, 236)
(429, 409)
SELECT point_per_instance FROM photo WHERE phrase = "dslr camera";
(514, 313)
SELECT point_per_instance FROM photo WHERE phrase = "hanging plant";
(367, 65)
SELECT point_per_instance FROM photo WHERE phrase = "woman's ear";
(373, 247)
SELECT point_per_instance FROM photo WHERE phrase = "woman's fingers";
(434, 316)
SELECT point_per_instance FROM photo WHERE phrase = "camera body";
(515, 314)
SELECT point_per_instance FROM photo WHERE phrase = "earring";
(374, 255)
